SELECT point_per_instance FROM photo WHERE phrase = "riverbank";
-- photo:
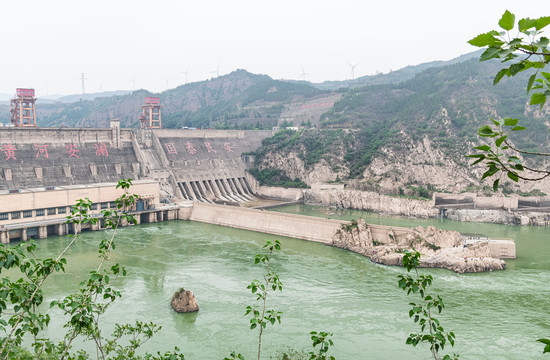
(400, 206)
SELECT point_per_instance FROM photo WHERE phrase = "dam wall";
(43, 157)
(281, 224)
(195, 165)
(204, 165)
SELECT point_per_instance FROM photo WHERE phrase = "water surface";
(494, 315)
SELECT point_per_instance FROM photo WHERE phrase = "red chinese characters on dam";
(72, 150)
(41, 151)
(9, 151)
(210, 148)
(191, 149)
(171, 148)
(101, 149)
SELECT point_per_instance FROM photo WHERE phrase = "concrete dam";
(197, 165)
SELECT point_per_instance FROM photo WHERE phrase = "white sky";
(47, 44)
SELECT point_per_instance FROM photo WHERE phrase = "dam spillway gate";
(217, 190)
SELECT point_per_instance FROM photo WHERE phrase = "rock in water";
(184, 301)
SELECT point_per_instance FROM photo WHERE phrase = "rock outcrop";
(371, 201)
(438, 248)
(184, 301)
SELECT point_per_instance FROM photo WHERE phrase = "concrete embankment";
(289, 225)
(382, 244)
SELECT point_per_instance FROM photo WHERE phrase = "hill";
(411, 137)
(239, 99)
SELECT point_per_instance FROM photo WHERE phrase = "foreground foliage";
(522, 49)
(431, 331)
(21, 296)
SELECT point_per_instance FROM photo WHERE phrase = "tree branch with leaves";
(521, 48)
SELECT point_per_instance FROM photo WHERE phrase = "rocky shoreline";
(438, 248)
(397, 206)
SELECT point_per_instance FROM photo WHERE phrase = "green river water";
(494, 315)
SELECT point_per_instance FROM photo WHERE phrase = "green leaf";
(485, 131)
(487, 39)
(499, 141)
(483, 147)
(500, 75)
(491, 53)
(510, 122)
(495, 185)
(542, 22)
(507, 21)
(513, 176)
(518, 128)
(514, 159)
(492, 171)
(531, 82)
(526, 24)
(537, 98)
(543, 42)
(516, 68)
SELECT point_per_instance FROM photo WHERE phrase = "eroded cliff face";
(421, 163)
(294, 167)
(371, 201)
(438, 248)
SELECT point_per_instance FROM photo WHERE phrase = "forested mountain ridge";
(239, 99)
(394, 76)
(411, 135)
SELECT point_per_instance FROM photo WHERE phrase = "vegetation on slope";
(236, 100)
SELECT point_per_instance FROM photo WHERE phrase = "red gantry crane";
(22, 111)
(150, 117)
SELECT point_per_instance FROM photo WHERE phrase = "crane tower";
(150, 114)
(22, 111)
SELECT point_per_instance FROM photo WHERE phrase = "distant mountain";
(411, 137)
(5, 98)
(239, 99)
(78, 97)
(395, 76)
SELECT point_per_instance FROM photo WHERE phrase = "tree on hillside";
(522, 49)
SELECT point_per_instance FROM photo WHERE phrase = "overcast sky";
(127, 44)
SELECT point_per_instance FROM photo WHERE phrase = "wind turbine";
(352, 73)
(303, 75)
(217, 71)
(185, 72)
(83, 80)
